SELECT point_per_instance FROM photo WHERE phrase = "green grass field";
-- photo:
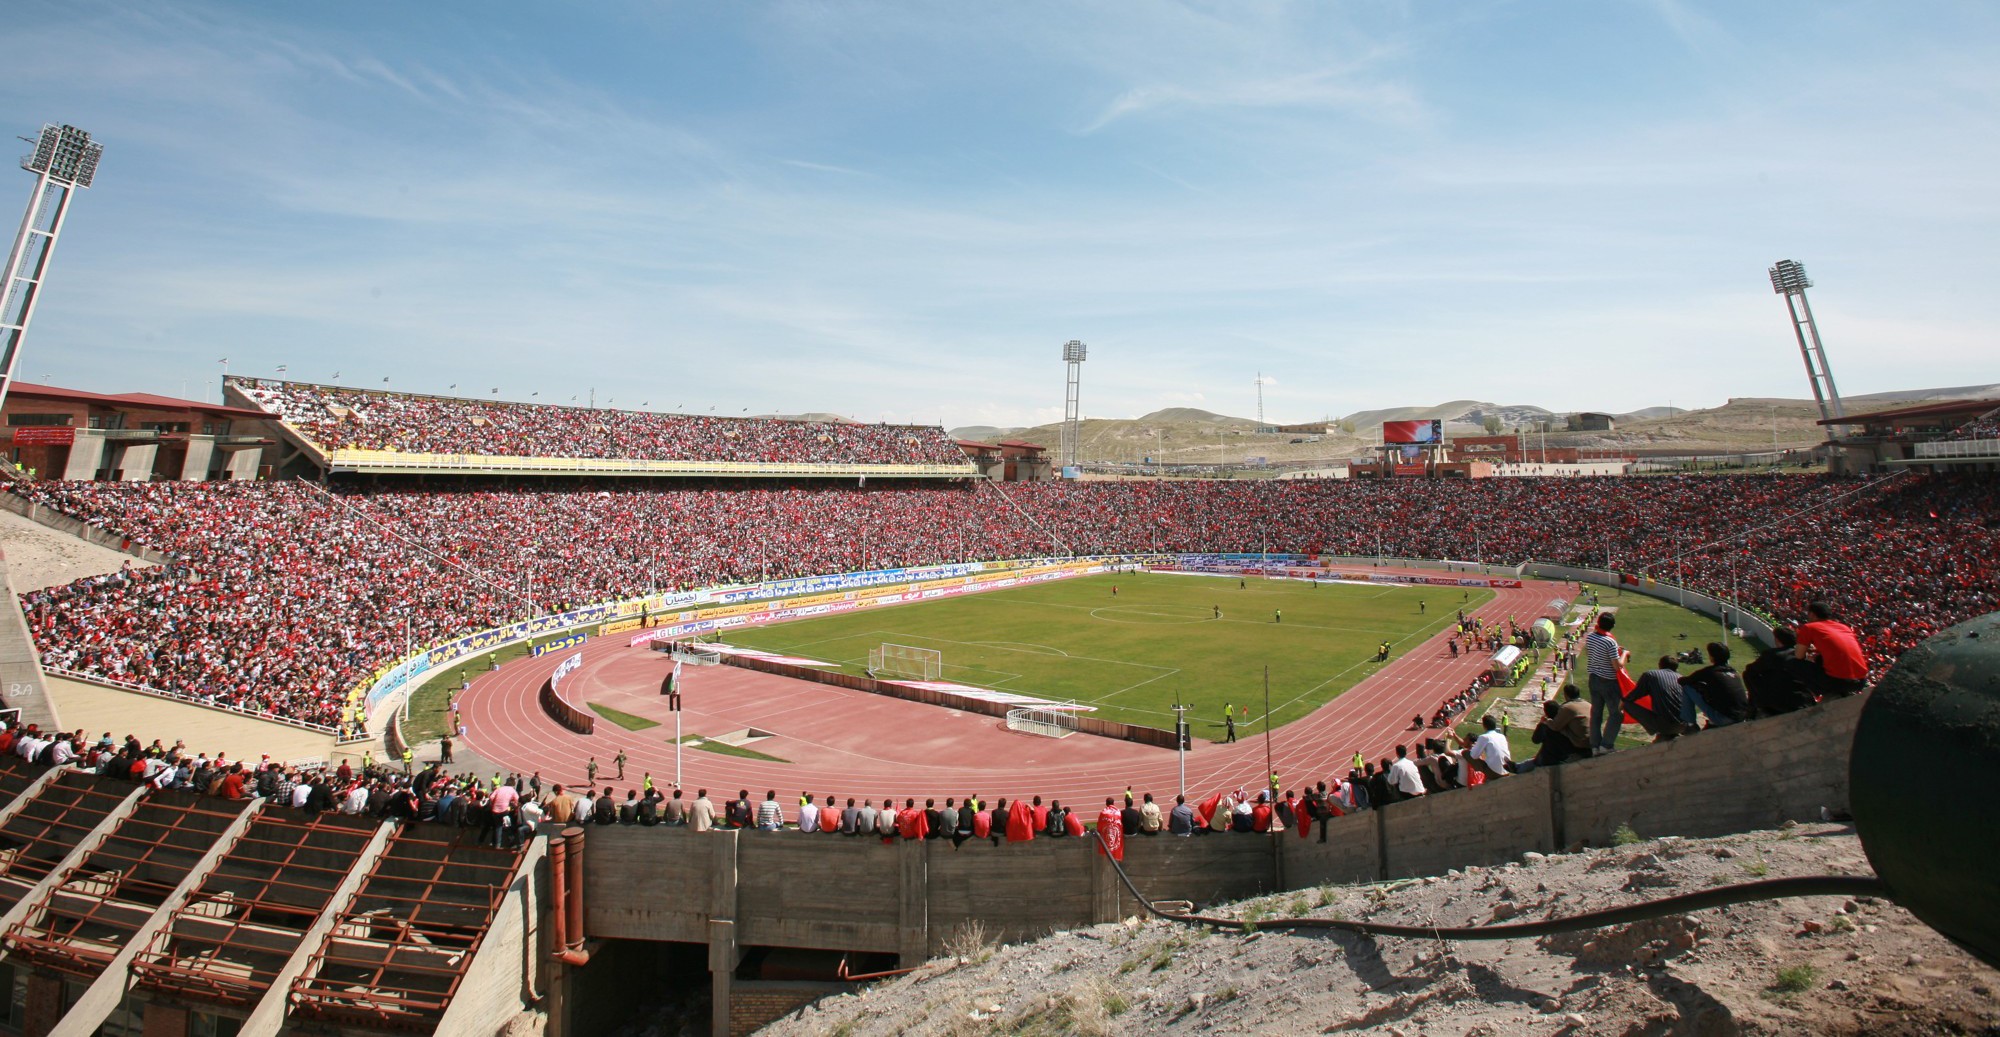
(1159, 637)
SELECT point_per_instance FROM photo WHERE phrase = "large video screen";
(1413, 431)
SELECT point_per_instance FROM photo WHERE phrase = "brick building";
(130, 437)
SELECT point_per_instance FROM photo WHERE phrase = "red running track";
(840, 742)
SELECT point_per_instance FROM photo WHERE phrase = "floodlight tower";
(1073, 355)
(65, 158)
(1788, 278)
(1260, 399)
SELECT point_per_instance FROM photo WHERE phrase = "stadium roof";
(130, 399)
(1945, 409)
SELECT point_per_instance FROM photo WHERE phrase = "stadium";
(394, 702)
(928, 636)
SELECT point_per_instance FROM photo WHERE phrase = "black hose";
(1719, 896)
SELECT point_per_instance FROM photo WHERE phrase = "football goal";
(1045, 721)
(905, 661)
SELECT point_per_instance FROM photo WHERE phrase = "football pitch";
(1205, 639)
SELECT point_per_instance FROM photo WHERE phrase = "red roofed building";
(134, 437)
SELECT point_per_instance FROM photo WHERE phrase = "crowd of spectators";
(1985, 426)
(282, 597)
(339, 418)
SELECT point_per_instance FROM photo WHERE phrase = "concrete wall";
(62, 523)
(507, 970)
(21, 683)
(833, 892)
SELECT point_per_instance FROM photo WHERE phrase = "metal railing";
(392, 461)
(1959, 448)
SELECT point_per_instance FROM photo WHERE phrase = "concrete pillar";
(200, 452)
(61, 872)
(722, 962)
(269, 1014)
(86, 456)
(135, 462)
(243, 463)
(723, 956)
(913, 927)
(90, 1010)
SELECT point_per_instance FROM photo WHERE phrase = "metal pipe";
(1721, 896)
(558, 894)
(572, 905)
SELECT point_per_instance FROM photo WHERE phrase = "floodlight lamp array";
(1788, 277)
(1074, 351)
(65, 153)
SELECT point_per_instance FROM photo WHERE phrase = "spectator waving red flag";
(1110, 832)
(1020, 822)
(1207, 808)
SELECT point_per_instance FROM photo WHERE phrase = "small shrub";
(1757, 868)
(1624, 835)
(971, 943)
(1796, 979)
(1322, 897)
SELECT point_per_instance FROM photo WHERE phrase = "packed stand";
(284, 598)
(341, 419)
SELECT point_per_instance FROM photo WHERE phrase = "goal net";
(1045, 721)
(905, 661)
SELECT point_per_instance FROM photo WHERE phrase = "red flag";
(1207, 808)
(1020, 822)
(1110, 833)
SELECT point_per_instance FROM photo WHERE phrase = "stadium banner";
(45, 435)
(564, 669)
(575, 640)
(619, 626)
(734, 617)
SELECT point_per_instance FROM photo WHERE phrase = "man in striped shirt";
(1607, 704)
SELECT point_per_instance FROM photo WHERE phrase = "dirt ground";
(38, 556)
(1822, 965)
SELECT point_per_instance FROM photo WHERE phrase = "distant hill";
(1193, 436)
(983, 433)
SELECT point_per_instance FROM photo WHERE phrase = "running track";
(851, 743)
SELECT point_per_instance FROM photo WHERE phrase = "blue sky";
(903, 210)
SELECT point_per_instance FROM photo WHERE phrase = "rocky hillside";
(1823, 965)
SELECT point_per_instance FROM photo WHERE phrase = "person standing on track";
(1229, 728)
(590, 771)
(620, 761)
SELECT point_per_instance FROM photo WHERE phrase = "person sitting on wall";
(1656, 702)
(1830, 660)
(1573, 722)
(1715, 690)
(1771, 680)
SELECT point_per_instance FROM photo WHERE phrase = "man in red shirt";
(1830, 659)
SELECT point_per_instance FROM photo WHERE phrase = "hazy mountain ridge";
(1190, 435)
